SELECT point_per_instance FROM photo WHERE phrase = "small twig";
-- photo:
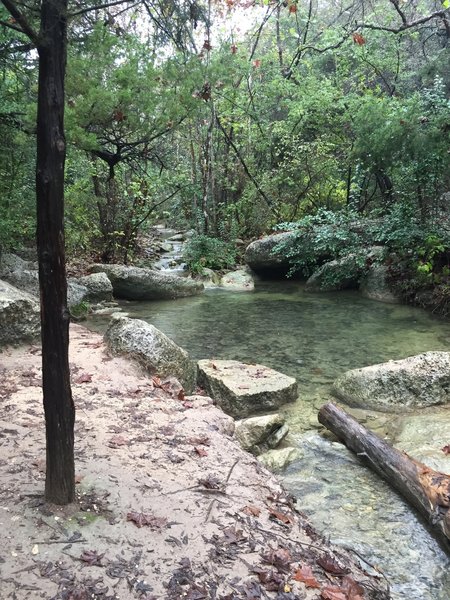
(231, 470)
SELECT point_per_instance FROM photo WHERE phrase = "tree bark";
(51, 152)
(427, 490)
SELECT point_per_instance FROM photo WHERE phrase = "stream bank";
(169, 506)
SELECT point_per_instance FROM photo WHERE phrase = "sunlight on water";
(315, 338)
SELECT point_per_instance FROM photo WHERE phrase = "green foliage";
(322, 237)
(202, 251)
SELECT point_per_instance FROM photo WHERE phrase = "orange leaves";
(446, 449)
(359, 39)
(233, 48)
(292, 7)
(305, 575)
(251, 511)
(257, 63)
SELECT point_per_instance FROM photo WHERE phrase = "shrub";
(202, 251)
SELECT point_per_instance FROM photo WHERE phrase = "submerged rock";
(19, 315)
(239, 281)
(278, 459)
(417, 381)
(424, 436)
(258, 434)
(262, 258)
(158, 354)
(134, 283)
(243, 390)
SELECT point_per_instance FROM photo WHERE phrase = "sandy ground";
(168, 505)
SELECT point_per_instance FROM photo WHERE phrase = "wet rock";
(19, 315)
(278, 459)
(209, 278)
(99, 287)
(134, 283)
(374, 286)
(262, 258)
(158, 354)
(259, 434)
(417, 381)
(239, 281)
(423, 436)
(243, 390)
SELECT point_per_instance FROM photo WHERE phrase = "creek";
(316, 337)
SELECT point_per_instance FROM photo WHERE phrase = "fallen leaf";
(181, 395)
(276, 515)
(92, 558)
(333, 592)
(252, 511)
(116, 441)
(202, 440)
(211, 482)
(330, 564)
(201, 451)
(306, 576)
(446, 449)
(78, 478)
(280, 558)
(358, 39)
(83, 378)
(141, 519)
(270, 579)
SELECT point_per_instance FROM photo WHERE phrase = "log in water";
(427, 490)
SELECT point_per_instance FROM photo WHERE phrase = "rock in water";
(262, 258)
(134, 283)
(99, 288)
(258, 434)
(414, 382)
(19, 315)
(158, 354)
(242, 390)
(239, 281)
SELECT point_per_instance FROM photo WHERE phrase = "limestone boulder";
(19, 315)
(262, 257)
(157, 353)
(98, 286)
(417, 381)
(375, 287)
(238, 281)
(134, 283)
(243, 390)
(259, 434)
(277, 460)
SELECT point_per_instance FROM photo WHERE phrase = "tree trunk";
(427, 490)
(51, 152)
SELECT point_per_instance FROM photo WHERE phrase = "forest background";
(232, 118)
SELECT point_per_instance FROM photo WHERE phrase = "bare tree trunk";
(51, 153)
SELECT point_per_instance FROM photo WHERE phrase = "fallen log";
(427, 490)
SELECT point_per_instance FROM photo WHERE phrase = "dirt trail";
(169, 506)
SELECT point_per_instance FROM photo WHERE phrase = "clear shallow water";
(315, 338)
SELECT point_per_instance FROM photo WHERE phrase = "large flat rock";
(414, 382)
(243, 390)
(134, 283)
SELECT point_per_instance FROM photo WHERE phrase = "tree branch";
(25, 27)
(83, 11)
(439, 14)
